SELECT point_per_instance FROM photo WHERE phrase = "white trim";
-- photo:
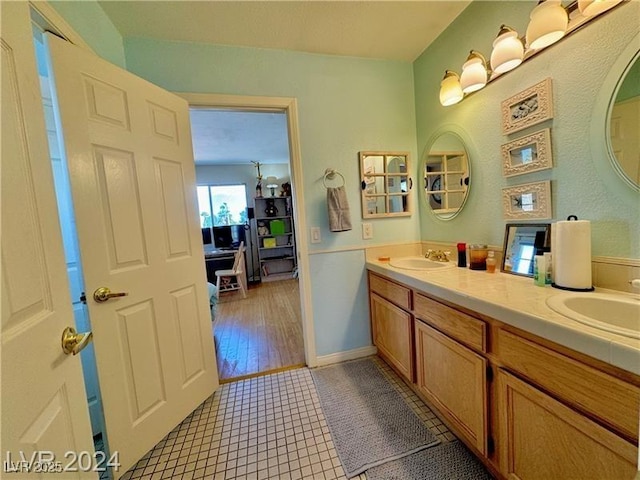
(353, 248)
(348, 355)
(630, 262)
(290, 106)
(57, 22)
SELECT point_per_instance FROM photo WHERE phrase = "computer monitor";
(228, 236)
(223, 237)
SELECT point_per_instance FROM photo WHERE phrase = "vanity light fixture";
(508, 50)
(474, 73)
(589, 8)
(450, 89)
(549, 21)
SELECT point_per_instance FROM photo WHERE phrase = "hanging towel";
(338, 206)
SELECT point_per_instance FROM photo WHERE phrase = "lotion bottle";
(539, 271)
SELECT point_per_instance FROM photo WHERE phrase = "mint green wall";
(580, 68)
(344, 105)
(89, 20)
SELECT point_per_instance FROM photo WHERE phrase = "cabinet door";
(453, 378)
(392, 334)
(540, 438)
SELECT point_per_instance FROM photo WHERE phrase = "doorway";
(247, 151)
(70, 243)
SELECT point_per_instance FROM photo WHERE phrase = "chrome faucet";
(437, 255)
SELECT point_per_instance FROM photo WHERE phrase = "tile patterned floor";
(269, 427)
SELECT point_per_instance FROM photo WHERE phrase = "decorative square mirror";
(385, 184)
(522, 242)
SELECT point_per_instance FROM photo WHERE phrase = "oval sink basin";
(609, 312)
(417, 263)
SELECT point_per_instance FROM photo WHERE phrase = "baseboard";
(348, 355)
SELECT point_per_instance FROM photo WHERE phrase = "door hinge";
(491, 446)
(489, 373)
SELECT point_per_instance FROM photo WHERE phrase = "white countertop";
(516, 301)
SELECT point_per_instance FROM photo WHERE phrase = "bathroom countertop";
(516, 301)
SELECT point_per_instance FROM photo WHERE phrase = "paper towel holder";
(571, 289)
(521, 242)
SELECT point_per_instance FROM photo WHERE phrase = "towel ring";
(330, 174)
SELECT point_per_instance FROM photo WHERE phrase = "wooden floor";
(260, 333)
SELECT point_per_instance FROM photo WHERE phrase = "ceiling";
(227, 137)
(390, 30)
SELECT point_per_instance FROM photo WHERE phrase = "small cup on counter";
(478, 257)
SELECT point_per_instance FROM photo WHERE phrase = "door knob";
(74, 342)
(103, 294)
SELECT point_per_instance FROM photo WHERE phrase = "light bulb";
(589, 8)
(548, 24)
(474, 73)
(508, 50)
(450, 89)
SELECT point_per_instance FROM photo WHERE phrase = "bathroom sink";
(609, 312)
(417, 263)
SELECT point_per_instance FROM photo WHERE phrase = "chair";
(233, 279)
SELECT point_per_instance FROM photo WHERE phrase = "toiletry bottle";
(539, 271)
(462, 255)
(548, 279)
(491, 262)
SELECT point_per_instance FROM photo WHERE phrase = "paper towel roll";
(571, 253)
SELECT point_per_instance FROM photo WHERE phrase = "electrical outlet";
(367, 231)
(316, 236)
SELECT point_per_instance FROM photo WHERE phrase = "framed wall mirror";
(624, 125)
(385, 184)
(522, 241)
(446, 175)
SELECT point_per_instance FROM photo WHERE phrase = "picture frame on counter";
(527, 154)
(530, 201)
(527, 108)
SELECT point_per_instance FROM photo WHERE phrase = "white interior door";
(44, 406)
(128, 146)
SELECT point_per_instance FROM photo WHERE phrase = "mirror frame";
(389, 179)
(542, 227)
(457, 132)
(600, 134)
(607, 131)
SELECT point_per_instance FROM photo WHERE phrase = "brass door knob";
(74, 342)
(103, 294)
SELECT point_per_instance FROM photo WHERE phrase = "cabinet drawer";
(464, 328)
(393, 292)
(613, 401)
(540, 438)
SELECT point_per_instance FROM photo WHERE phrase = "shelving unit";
(276, 244)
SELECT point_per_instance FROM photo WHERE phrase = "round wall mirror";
(445, 170)
(623, 127)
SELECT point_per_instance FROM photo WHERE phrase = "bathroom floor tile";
(269, 427)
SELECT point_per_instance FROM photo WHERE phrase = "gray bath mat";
(447, 461)
(370, 422)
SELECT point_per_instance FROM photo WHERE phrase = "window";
(221, 205)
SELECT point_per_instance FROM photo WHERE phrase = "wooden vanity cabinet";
(540, 438)
(452, 378)
(530, 408)
(391, 325)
